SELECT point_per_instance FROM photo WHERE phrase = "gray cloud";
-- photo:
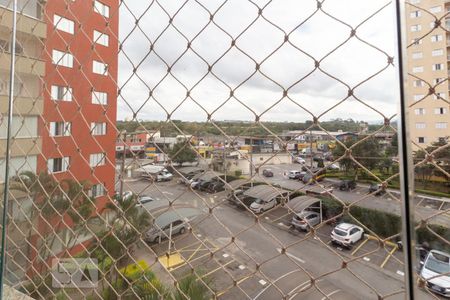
(352, 63)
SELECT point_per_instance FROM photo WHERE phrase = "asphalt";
(254, 258)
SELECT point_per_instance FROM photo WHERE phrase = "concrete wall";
(258, 159)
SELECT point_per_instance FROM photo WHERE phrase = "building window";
(417, 70)
(101, 8)
(438, 96)
(441, 125)
(61, 93)
(420, 125)
(21, 126)
(421, 139)
(437, 52)
(97, 159)
(97, 190)
(436, 81)
(440, 111)
(415, 14)
(60, 128)
(18, 165)
(62, 59)
(417, 55)
(416, 41)
(99, 98)
(415, 28)
(418, 83)
(437, 67)
(414, 1)
(436, 38)
(63, 24)
(60, 164)
(98, 128)
(419, 111)
(418, 97)
(101, 38)
(435, 9)
(99, 68)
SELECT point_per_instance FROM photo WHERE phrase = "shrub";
(238, 173)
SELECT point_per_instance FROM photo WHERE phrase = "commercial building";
(427, 62)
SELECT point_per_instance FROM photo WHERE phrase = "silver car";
(305, 220)
(158, 233)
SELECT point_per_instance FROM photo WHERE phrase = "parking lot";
(264, 259)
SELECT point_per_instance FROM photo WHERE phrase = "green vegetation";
(386, 224)
(236, 127)
(181, 153)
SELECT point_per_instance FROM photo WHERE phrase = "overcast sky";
(310, 38)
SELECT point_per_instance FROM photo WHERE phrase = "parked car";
(377, 189)
(328, 156)
(347, 185)
(156, 234)
(300, 160)
(318, 176)
(215, 187)
(144, 199)
(164, 176)
(267, 173)
(435, 272)
(235, 196)
(347, 234)
(294, 174)
(305, 220)
(195, 184)
(126, 195)
(333, 167)
(204, 185)
(259, 205)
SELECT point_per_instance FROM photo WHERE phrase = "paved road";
(257, 247)
(390, 202)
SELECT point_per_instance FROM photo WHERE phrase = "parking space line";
(359, 246)
(388, 256)
(218, 268)
(332, 293)
(193, 253)
(292, 256)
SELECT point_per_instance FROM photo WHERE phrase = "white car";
(164, 176)
(300, 160)
(259, 205)
(437, 263)
(347, 234)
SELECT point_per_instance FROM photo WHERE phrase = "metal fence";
(206, 188)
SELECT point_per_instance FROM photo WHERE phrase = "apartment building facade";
(28, 100)
(80, 93)
(427, 61)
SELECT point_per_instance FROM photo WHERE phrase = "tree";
(182, 153)
(426, 170)
(367, 153)
(191, 288)
(56, 206)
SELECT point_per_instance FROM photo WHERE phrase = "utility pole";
(310, 148)
(251, 158)
(122, 167)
